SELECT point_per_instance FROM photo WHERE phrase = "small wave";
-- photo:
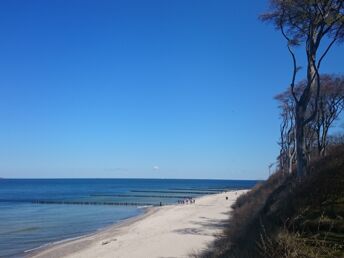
(54, 243)
(144, 206)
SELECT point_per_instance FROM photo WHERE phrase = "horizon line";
(130, 178)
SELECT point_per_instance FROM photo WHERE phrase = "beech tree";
(287, 132)
(331, 104)
(315, 25)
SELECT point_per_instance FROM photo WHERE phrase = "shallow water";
(25, 225)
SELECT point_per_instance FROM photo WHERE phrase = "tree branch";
(292, 85)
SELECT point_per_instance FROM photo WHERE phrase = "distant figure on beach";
(187, 201)
(226, 197)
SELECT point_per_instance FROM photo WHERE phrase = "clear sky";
(158, 89)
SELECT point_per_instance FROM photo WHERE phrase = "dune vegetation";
(284, 217)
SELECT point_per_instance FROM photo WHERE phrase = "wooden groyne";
(79, 202)
(142, 196)
(202, 190)
(161, 191)
(94, 203)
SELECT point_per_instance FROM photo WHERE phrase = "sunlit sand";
(168, 231)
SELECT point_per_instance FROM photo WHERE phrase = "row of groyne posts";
(181, 199)
(94, 203)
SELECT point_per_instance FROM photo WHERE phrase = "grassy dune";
(286, 218)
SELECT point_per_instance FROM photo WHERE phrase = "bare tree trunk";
(300, 115)
(291, 159)
(324, 141)
(299, 141)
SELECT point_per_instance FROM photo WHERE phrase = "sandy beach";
(168, 231)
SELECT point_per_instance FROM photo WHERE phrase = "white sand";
(168, 231)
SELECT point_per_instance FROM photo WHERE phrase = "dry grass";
(282, 217)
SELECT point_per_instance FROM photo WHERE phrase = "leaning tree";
(316, 25)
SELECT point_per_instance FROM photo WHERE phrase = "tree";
(287, 131)
(331, 104)
(313, 24)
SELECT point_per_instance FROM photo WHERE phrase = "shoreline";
(149, 232)
(127, 221)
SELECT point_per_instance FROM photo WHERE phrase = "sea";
(36, 213)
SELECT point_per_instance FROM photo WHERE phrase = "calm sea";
(37, 212)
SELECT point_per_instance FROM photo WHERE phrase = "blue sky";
(158, 89)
